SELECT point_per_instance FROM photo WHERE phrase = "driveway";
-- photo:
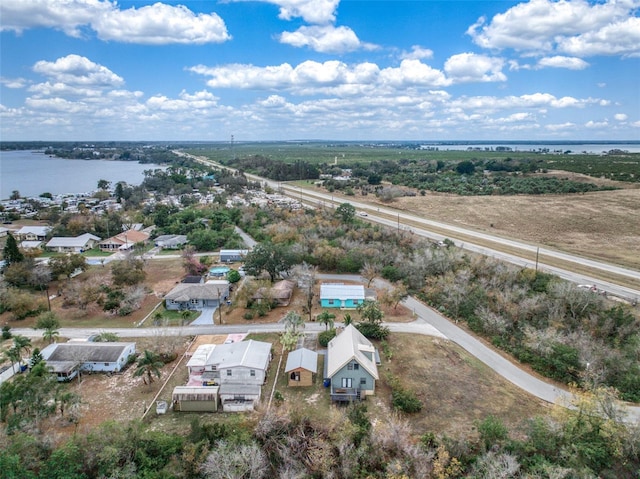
(205, 318)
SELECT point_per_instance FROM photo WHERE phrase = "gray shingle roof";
(187, 291)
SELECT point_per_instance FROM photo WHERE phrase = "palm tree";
(326, 318)
(13, 356)
(49, 322)
(293, 321)
(21, 344)
(148, 365)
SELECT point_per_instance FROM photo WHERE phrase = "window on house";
(363, 381)
(350, 366)
(228, 372)
(194, 301)
(252, 373)
(356, 366)
(347, 382)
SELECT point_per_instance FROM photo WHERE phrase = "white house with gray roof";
(66, 359)
(33, 233)
(240, 369)
(72, 244)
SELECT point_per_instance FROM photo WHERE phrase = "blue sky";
(319, 69)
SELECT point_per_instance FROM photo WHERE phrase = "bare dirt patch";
(603, 225)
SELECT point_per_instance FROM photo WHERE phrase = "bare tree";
(306, 277)
(226, 461)
(370, 271)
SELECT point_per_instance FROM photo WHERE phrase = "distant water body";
(592, 148)
(33, 173)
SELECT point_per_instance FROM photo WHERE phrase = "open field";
(603, 225)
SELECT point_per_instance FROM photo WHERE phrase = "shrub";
(6, 333)
(405, 401)
(373, 331)
(325, 336)
(248, 315)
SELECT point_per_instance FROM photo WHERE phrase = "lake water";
(574, 147)
(33, 173)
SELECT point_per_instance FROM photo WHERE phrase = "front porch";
(346, 394)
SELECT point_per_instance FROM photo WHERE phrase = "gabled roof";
(188, 291)
(34, 230)
(302, 358)
(85, 352)
(128, 237)
(350, 345)
(341, 291)
(71, 241)
(250, 354)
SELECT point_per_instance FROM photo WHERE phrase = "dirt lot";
(603, 225)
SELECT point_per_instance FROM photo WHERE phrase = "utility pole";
(233, 157)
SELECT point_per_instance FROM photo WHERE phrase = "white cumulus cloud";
(558, 61)
(620, 117)
(471, 67)
(311, 11)
(325, 39)
(311, 77)
(160, 24)
(78, 70)
(577, 27)
(155, 24)
(417, 53)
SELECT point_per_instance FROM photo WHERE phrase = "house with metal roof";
(301, 367)
(72, 244)
(339, 295)
(351, 366)
(197, 296)
(32, 233)
(240, 369)
(66, 359)
(170, 241)
(232, 255)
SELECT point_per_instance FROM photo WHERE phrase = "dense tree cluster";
(277, 170)
(587, 441)
(566, 333)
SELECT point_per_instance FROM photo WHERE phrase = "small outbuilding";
(301, 367)
(195, 398)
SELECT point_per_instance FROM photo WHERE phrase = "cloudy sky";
(320, 69)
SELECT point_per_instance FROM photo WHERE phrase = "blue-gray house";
(197, 296)
(338, 295)
(351, 366)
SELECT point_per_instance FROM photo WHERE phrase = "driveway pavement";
(205, 318)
